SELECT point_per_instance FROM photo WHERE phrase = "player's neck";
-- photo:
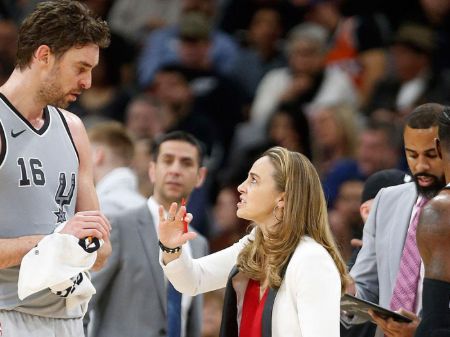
(22, 95)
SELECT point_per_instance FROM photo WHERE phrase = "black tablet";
(353, 306)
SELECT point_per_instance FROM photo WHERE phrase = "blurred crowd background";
(332, 79)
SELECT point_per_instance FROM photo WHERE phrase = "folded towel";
(58, 262)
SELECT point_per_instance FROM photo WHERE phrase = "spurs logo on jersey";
(63, 199)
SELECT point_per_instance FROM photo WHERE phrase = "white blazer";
(307, 303)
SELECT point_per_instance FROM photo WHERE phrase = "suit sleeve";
(365, 272)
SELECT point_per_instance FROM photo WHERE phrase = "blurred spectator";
(345, 219)
(17, 10)
(212, 313)
(236, 14)
(144, 117)
(335, 133)
(412, 81)
(163, 46)
(356, 45)
(133, 19)
(140, 165)
(171, 87)
(436, 15)
(261, 51)
(305, 82)
(288, 128)
(378, 148)
(121, 51)
(227, 227)
(115, 183)
(8, 48)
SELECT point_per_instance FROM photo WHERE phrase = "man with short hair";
(115, 182)
(388, 266)
(45, 167)
(132, 286)
(433, 239)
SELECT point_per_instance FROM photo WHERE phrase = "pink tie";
(405, 290)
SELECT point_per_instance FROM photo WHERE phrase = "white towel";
(57, 263)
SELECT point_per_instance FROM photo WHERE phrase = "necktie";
(405, 290)
(173, 311)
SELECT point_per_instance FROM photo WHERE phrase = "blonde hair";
(113, 135)
(304, 213)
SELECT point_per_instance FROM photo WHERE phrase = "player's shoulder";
(441, 202)
(72, 120)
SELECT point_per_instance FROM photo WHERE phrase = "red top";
(252, 311)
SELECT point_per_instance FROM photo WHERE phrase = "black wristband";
(167, 249)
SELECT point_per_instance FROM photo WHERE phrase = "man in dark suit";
(131, 297)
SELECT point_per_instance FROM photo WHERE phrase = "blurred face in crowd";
(375, 152)
(423, 161)
(265, 28)
(176, 171)
(305, 57)
(408, 63)
(194, 53)
(143, 120)
(326, 129)
(348, 201)
(225, 209)
(283, 133)
(171, 88)
(259, 194)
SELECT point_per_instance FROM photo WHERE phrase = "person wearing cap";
(389, 247)
(412, 80)
(161, 46)
(433, 239)
(377, 181)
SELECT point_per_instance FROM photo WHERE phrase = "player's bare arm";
(88, 221)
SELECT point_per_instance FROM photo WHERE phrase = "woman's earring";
(275, 214)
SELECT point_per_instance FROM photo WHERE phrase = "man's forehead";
(175, 148)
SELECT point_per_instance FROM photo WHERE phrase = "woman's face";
(258, 194)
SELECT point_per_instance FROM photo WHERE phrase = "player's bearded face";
(52, 92)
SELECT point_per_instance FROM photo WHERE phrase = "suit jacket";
(307, 303)
(131, 291)
(376, 267)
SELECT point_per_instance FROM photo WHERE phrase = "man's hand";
(393, 328)
(88, 224)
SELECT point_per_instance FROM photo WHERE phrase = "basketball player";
(45, 165)
(433, 239)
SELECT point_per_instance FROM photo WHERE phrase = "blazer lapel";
(149, 240)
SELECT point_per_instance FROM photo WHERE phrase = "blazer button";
(162, 332)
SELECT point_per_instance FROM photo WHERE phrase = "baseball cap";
(194, 26)
(382, 179)
(416, 36)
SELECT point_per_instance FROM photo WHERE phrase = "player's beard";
(51, 92)
(431, 191)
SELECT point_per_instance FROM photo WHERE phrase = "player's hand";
(88, 224)
(171, 227)
(392, 328)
